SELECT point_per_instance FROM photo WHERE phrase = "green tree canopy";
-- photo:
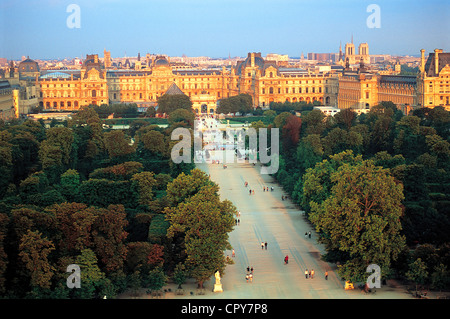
(360, 217)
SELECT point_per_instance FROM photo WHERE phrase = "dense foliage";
(78, 193)
(375, 186)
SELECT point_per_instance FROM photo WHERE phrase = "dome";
(28, 65)
(259, 62)
(161, 61)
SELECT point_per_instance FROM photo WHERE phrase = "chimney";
(252, 60)
(422, 60)
(436, 60)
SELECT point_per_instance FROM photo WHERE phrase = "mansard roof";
(443, 59)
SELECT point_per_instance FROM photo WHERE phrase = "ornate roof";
(161, 61)
(443, 59)
(28, 65)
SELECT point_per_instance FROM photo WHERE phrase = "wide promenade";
(265, 217)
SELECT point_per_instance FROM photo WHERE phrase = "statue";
(217, 275)
(217, 285)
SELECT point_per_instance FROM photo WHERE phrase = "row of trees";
(374, 186)
(111, 201)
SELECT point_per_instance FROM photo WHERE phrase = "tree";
(118, 144)
(168, 103)
(314, 122)
(108, 232)
(4, 220)
(70, 182)
(360, 217)
(90, 272)
(34, 253)
(186, 185)
(345, 118)
(291, 131)
(182, 115)
(143, 256)
(156, 279)
(145, 182)
(241, 103)
(155, 142)
(179, 275)
(205, 222)
(417, 272)
(75, 221)
(280, 120)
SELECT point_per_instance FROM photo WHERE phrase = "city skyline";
(39, 29)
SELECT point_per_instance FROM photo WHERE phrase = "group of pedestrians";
(249, 275)
(252, 191)
(237, 221)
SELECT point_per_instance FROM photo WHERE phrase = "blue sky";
(218, 28)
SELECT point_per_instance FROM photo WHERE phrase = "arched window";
(270, 90)
(94, 93)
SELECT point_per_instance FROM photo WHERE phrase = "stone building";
(433, 81)
(265, 80)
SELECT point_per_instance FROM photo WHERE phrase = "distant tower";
(397, 66)
(362, 67)
(11, 69)
(139, 56)
(107, 58)
(340, 51)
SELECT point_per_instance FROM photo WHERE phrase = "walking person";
(326, 275)
(262, 245)
(309, 234)
(251, 270)
(306, 273)
(306, 235)
(286, 259)
(265, 245)
(312, 273)
(233, 254)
